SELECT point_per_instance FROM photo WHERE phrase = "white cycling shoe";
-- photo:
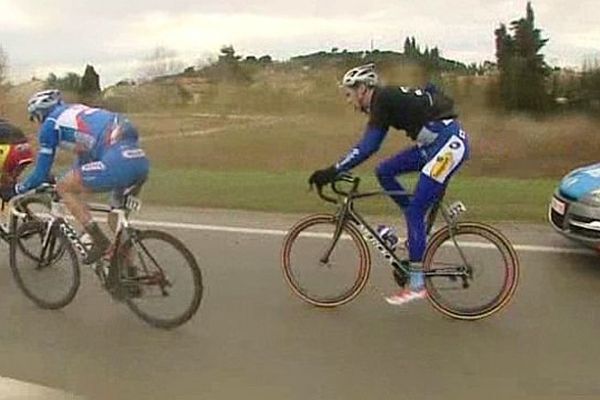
(406, 296)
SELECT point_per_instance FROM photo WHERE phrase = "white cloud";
(13, 18)
(208, 31)
(41, 35)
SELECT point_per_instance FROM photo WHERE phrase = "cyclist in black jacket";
(428, 118)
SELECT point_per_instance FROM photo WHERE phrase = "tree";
(51, 80)
(3, 65)
(70, 82)
(228, 67)
(3, 72)
(228, 55)
(523, 71)
(266, 59)
(407, 47)
(161, 62)
(589, 90)
(90, 82)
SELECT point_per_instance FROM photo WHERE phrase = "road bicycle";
(151, 271)
(326, 259)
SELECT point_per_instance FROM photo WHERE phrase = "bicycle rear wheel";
(484, 284)
(160, 278)
(48, 276)
(331, 283)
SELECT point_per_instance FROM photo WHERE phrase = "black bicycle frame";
(347, 213)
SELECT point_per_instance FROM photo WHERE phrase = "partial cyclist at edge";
(441, 147)
(108, 158)
(15, 153)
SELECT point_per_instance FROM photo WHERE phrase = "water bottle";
(388, 235)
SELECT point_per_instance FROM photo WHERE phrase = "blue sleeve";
(369, 144)
(48, 142)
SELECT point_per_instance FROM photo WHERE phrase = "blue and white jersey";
(86, 131)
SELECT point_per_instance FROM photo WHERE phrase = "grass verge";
(488, 199)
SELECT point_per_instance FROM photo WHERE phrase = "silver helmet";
(362, 74)
(42, 103)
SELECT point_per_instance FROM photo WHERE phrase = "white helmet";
(42, 103)
(362, 74)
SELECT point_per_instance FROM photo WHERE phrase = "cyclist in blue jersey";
(442, 146)
(109, 157)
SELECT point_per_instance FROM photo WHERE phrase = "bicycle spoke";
(479, 288)
(319, 267)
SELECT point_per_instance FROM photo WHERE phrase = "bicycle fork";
(48, 245)
(342, 217)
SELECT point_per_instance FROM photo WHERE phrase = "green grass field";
(490, 199)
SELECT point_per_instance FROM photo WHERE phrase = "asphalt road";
(252, 339)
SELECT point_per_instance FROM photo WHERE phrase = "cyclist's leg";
(73, 189)
(433, 180)
(409, 160)
(122, 165)
(427, 193)
(446, 158)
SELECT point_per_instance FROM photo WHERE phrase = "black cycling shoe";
(96, 251)
(100, 243)
(124, 288)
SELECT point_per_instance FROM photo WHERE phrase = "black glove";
(7, 192)
(322, 177)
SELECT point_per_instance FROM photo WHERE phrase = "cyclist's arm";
(48, 142)
(368, 145)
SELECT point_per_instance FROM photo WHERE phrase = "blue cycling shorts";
(121, 166)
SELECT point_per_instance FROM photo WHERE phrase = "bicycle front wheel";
(331, 282)
(474, 277)
(48, 275)
(160, 278)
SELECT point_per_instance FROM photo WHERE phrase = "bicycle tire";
(511, 271)
(364, 265)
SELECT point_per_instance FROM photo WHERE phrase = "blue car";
(575, 206)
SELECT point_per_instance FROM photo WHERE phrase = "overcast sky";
(41, 36)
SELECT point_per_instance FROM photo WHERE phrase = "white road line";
(276, 232)
(12, 389)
